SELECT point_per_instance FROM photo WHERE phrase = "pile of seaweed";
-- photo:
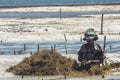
(45, 62)
(50, 62)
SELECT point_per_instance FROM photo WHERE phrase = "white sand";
(14, 29)
(6, 61)
(26, 29)
(64, 8)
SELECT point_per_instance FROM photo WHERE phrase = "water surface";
(53, 2)
(53, 14)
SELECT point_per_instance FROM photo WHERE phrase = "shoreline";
(84, 8)
(20, 6)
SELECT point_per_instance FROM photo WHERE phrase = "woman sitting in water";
(90, 53)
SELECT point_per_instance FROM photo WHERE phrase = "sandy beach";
(17, 29)
(63, 8)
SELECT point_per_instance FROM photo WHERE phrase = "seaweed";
(50, 62)
(45, 62)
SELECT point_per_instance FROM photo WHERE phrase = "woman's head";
(90, 35)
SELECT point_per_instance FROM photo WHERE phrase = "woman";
(90, 53)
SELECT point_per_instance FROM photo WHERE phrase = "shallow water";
(53, 14)
(53, 2)
(8, 48)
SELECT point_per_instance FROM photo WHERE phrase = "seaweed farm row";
(72, 47)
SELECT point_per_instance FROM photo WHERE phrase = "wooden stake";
(60, 13)
(14, 52)
(66, 49)
(22, 75)
(38, 47)
(65, 38)
(65, 43)
(24, 47)
(110, 48)
(104, 42)
(102, 24)
(81, 38)
(54, 46)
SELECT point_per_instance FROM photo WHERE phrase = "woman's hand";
(89, 61)
(86, 61)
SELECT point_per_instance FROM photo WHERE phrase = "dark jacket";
(86, 53)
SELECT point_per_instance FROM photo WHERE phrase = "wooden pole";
(38, 47)
(81, 38)
(65, 43)
(102, 24)
(22, 75)
(24, 47)
(51, 48)
(54, 46)
(65, 38)
(60, 13)
(14, 52)
(104, 42)
(110, 48)
(66, 49)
